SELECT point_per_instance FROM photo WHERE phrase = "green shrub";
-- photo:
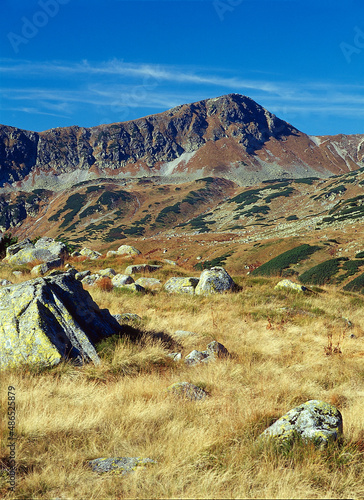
(356, 285)
(359, 255)
(322, 273)
(275, 266)
(6, 241)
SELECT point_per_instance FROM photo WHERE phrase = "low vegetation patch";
(275, 266)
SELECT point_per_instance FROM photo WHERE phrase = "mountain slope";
(231, 137)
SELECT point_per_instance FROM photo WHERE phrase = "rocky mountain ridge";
(231, 137)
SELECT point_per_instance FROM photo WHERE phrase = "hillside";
(231, 137)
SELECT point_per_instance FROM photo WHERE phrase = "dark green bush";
(356, 285)
(275, 266)
(322, 273)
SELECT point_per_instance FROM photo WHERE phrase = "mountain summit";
(229, 136)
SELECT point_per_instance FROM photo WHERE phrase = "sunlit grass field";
(280, 357)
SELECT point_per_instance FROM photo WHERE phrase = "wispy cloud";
(60, 89)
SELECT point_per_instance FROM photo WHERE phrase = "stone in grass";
(214, 350)
(5, 282)
(290, 285)
(188, 391)
(184, 333)
(107, 273)
(148, 282)
(141, 268)
(126, 317)
(181, 285)
(119, 465)
(314, 420)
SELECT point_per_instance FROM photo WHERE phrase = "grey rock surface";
(181, 285)
(214, 280)
(187, 390)
(121, 465)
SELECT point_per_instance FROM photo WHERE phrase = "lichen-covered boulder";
(91, 279)
(289, 285)
(141, 268)
(214, 280)
(82, 274)
(148, 282)
(107, 273)
(127, 250)
(91, 254)
(46, 319)
(314, 420)
(127, 317)
(45, 250)
(181, 285)
(121, 280)
(187, 390)
(42, 269)
(119, 465)
(134, 287)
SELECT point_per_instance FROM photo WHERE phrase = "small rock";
(18, 273)
(214, 350)
(170, 262)
(5, 282)
(90, 279)
(133, 287)
(188, 391)
(82, 274)
(148, 282)
(122, 318)
(176, 356)
(42, 269)
(121, 465)
(128, 250)
(91, 254)
(184, 333)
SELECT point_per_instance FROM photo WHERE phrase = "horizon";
(67, 63)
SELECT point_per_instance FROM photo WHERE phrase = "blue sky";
(88, 62)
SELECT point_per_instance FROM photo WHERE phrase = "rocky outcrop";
(214, 280)
(232, 132)
(46, 319)
(315, 421)
(45, 249)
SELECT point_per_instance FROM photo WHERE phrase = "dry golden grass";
(68, 415)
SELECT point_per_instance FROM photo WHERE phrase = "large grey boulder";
(46, 319)
(314, 420)
(148, 282)
(214, 280)
(107, 273)
(181, 285)
(45, 250)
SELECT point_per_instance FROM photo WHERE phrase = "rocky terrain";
(231, 137)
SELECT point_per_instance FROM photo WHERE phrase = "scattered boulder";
(133, 287)
(181, 285)
(214, 280)
(141, 268)
(176, 356)
(122, 280)
(82, 274)
(18, 273)
(91, 254)
(213, 350)
(75, 254)
(107, 273)
(91, 279)
(46, 319)
(170, 262)
(45, 250)
(42, 269)
(290, 285)
(187, 390)
(125, 250)
(148, 282)
(121, 465)
(314, 420)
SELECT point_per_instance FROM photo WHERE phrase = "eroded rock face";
(214, 280)
(45, 249)
(46, 319)
(314, 420)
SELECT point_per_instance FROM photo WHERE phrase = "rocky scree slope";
(231, 136)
